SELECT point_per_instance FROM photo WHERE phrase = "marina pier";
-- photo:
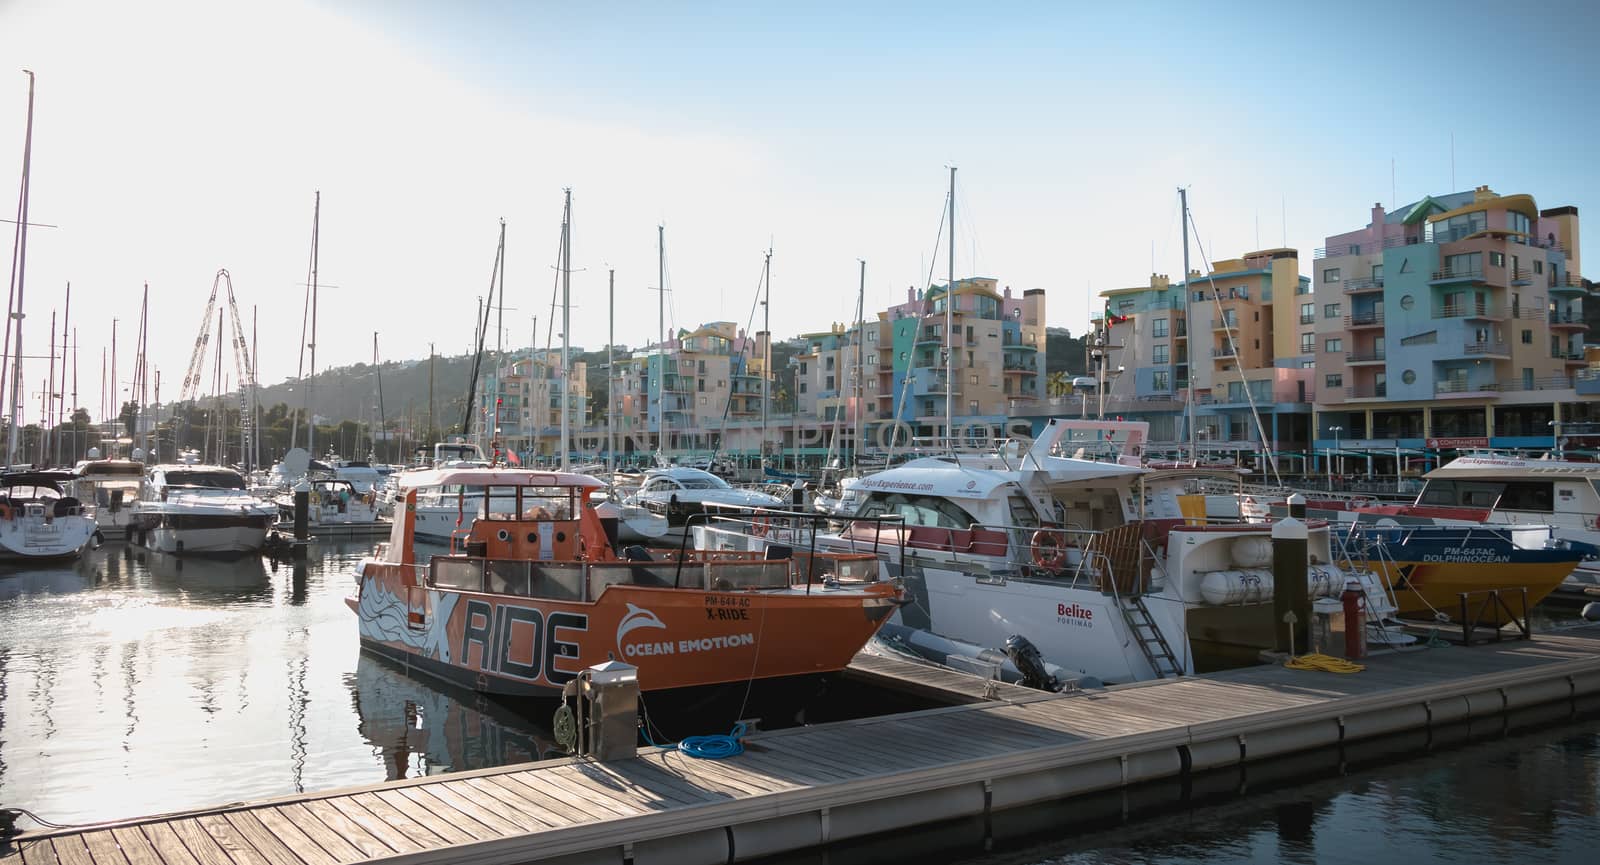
(1001, 748)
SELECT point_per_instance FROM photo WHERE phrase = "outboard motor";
(1025, 655)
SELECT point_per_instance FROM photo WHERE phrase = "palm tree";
(1058, 384)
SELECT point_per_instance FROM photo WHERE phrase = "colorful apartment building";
(1229, 341)
(524, 397)
(703, 381)
(1455, 321)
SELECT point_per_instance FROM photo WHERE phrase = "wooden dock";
(798, 788)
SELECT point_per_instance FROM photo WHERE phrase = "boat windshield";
(703, 484)
(206, 480)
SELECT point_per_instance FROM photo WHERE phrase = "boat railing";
(791, 535)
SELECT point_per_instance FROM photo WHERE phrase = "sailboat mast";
(949, 321)
(59, 398)
(47, 405)
(139, 371)
(311, 421)
(499, 345)
(611, 372)
(661, 336)
(861, 336)
(1188, 402)
(566, 327)
(19, 267)
(766, 349)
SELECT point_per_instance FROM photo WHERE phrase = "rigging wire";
(905, 383)
(1233, 348)
(727, 403)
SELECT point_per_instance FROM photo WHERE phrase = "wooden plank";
(584, 801)
(70, 850)
(305, 845)
(305, 822)
(433, 822)
(519, 820)
(445, 814)
(231, 842)
(417, 832)
(647, 774)
(375, 826)
(104, 848)
(694, 767)
(135, 846)
(447, 794)
(513, 796)
(168, 845)
(35, 852)
(204, 847)
(557, 808)
(809, 774)
(262, 839)
(586, 780)
(348, 829)
(796, 748)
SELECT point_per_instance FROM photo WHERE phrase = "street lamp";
(1335, 430)
(1555, 434)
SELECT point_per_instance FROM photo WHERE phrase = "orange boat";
(535, 591)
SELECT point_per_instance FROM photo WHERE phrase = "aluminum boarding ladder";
(1157, 651)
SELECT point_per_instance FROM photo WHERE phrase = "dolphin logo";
(633, 620)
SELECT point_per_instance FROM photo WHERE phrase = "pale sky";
(173, 139)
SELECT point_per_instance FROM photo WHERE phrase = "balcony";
(1487, 349)
(1369, 318)
(1355, 248)
(1224, 324)
(1575, 358)
(1308, 319)
(1469, 310)
(1367, 391)
(1521, 276)
(1456, 387)
(1552, 382)
(1569, 321)
(1566, 283)
(1223, 352)
(1527, 313)
(1450, 274)
(1364, 284)
(1367, 355)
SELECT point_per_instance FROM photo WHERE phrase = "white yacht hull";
(29, 540)
(210, 540)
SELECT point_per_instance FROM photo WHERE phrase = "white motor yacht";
(333, 502)
(112, 487)
(200, 509)
(678, 493)
(37, 521)
(1107, 569)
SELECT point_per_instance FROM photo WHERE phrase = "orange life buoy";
(759, 527)
(1049, 549)
(5, 512)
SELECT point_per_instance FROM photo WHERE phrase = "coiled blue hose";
(714, 747)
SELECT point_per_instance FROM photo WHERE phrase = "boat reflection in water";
(227, 581)
(428, 728)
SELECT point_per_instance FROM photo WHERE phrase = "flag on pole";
(511, 457)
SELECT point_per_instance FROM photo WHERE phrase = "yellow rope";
(1324, 663)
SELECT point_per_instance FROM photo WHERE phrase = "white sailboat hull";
(37, 540)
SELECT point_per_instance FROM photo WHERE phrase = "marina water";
(137, 683)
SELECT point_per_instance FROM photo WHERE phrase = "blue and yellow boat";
(1430, 567)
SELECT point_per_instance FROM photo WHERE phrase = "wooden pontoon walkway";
(802, 787)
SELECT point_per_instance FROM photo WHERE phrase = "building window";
(829, 385)
(872, 335)
(1159, 382)
(1308, 342)
(802, 367)
(1538, 266)
(1308, 313)
(1409, 376)
(1407, 301)
(1330, 274)
(1159, 354)
(1527, 337)
(1377, 271)
(972, 407)
(1466, 262)
(1497, 259)
(972, 379)
(802, 387)
(1333, 345)
(1158, 328)
(1334, 379)
(1308, 364)
(1331, 310)
(1303, 286)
